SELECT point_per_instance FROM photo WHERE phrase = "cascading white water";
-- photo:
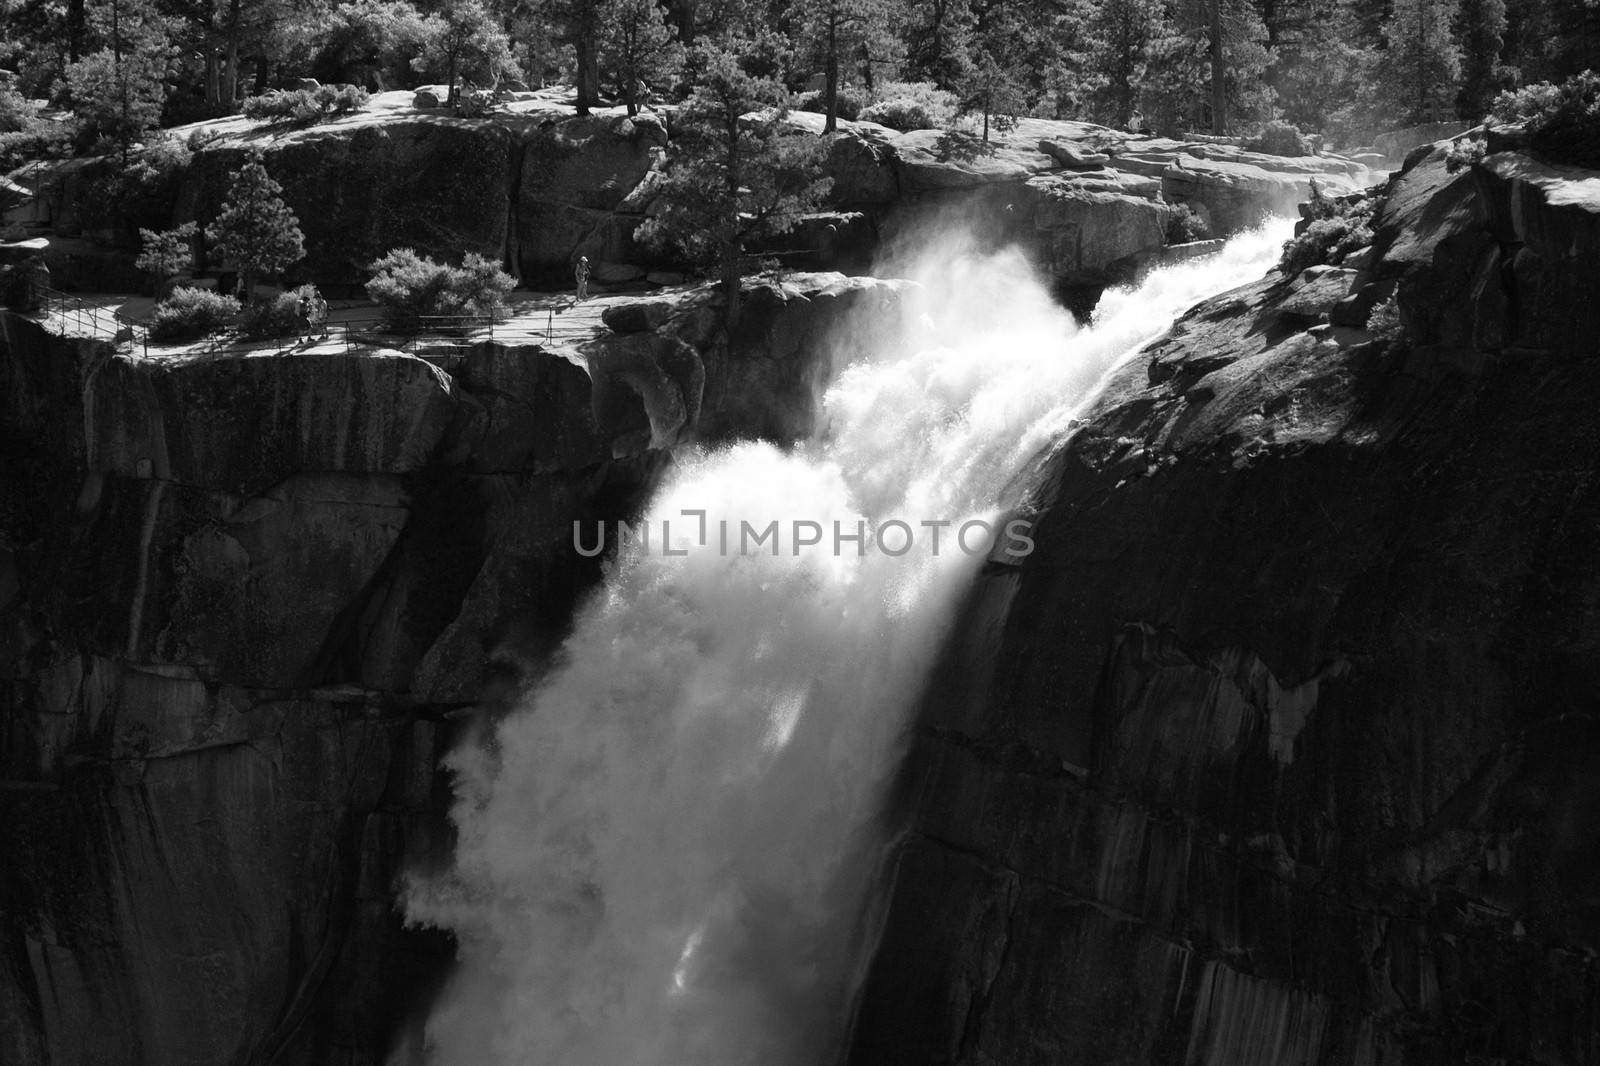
(664, 851)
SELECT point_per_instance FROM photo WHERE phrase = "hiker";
(319, 313)
(581, 272)
(304, 308)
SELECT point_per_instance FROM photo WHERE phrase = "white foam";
(665, 851)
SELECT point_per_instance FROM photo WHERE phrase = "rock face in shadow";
(360, 189)
(1281, 748)
(245, 600)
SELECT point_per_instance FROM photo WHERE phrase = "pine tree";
(1212, 67)
(990, 84)
(937, 43)
(579, 24)
(464, 36)
(1121, 34)
(1326, 71)
(835, 29)
(1422, 63)
(118, 97)
(1481, 29)
(638, 46)
(256, 230)
(736, 171)
(990, 89)
(1577, 36)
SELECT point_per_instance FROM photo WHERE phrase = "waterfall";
(664, 852)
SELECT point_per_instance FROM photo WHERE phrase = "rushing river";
(666, 851)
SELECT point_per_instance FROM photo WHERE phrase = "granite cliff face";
(242, 599)
(1280, 748)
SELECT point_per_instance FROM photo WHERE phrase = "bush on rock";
(911, 105)
(1562, 121)
(410, 287)
(1280, 138)
(190, 313)
(1185, 225)
(306, 106)
(1333, 228)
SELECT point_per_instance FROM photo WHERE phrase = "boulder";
(1395, 145)
(1084, 232)
(426, 99)
(1316, 291)
(636, 316)
(1073, 156)
(862, 168)
(934, 160)
(1238, 194)
(618, 273)
(1545, 219)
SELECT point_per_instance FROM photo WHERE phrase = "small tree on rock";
(256, 229)
(990, 90)
(638, 46)
(736, 171)
(164, 255)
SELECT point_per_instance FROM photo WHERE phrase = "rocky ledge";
(535, 186)
(1282, 746)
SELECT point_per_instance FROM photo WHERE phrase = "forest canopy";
(1339, 68)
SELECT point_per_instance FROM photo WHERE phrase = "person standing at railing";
(319, 313)
(581, 273)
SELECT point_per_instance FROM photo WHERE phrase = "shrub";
(1335, 228)
(190, 313)
(43, 140)
(410, 287)
(305, 107)
(911, 105)
(16, 111)
(1467, 152)
(1185, 225)
(24, 135)
(1281, 138)
(1562, 121)
(274, 316)
(851, 103)
(1385, 323)
(117, 98)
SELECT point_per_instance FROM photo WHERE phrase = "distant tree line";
(1338, 67)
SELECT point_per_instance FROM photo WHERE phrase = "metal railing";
(435, 334)
(84, 316)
